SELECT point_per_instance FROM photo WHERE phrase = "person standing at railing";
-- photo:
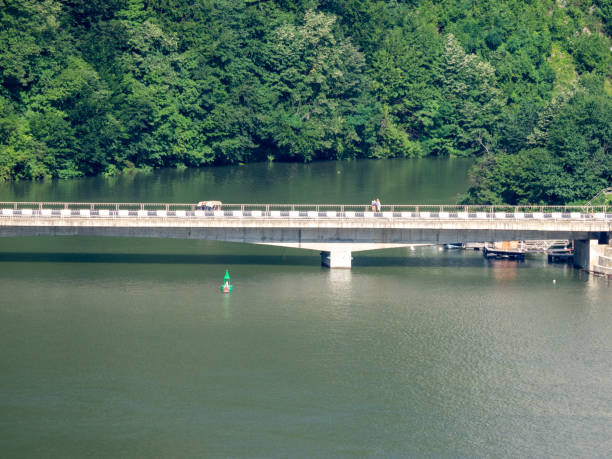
(373, 205)
(378, 206)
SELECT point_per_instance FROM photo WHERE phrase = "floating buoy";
(226, 287)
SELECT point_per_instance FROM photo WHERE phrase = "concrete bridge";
(333, 229)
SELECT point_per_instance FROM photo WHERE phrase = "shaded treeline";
(99, 86)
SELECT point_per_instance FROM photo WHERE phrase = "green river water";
(126, 348)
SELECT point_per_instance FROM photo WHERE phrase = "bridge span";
(335, 230)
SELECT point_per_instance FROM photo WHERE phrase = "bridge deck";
(301, 211)
(303, 215)
(337, 229)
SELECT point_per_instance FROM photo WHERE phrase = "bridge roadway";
(334, 230)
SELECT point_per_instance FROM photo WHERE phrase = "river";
(125, 347)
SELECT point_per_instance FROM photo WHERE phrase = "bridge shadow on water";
(155, 258)
(421, 260)
(413, 260)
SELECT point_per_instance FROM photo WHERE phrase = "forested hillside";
(98, 86)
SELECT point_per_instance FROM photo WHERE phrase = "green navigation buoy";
(226, 287)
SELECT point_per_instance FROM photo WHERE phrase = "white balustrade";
(542, 212)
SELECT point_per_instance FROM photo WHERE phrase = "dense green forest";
(99, 86)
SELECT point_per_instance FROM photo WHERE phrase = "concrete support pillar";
(587, 252)
(336, 259)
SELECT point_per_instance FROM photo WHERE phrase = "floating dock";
(514, 250)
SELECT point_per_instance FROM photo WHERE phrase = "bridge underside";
(335, 243)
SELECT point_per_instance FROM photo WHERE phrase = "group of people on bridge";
(376, 206)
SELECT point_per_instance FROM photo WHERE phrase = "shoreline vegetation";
(98, 87)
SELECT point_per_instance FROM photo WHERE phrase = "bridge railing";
(416, 208)
(390, 210)
(111, 206)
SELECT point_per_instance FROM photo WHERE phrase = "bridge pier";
(588, 251)
(336, 259)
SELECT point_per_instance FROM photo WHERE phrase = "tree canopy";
(99, 86)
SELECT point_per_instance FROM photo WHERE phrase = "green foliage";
(317, 81)
(471, 99)
(570, 161)
(591, 52)
(604, 8)
(98, 86)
